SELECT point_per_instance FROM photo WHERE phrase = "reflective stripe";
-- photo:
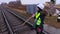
(38, 18)
(38, 22)
(37, 15)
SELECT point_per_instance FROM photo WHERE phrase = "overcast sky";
(41, 1)
(6, 1)
(57, 1)
(37, 1)
(33, 1)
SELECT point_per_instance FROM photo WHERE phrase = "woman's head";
(39, 9)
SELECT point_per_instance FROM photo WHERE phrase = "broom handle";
(28, 19)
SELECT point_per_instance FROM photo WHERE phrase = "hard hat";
(41, 6)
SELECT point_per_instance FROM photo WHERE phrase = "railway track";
(3, 25)
(11, 23)
(27, 22)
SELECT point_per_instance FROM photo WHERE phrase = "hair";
(41, 11)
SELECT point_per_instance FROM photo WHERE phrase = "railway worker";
(39, 19)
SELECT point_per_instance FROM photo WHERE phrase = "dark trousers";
(40, 26)
(39, 29)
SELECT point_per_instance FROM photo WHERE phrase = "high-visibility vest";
(37, 16)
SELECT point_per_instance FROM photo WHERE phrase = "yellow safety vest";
(38, 18)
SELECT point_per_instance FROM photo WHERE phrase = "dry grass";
(52, 21)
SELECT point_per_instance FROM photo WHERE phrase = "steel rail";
(7, 23)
